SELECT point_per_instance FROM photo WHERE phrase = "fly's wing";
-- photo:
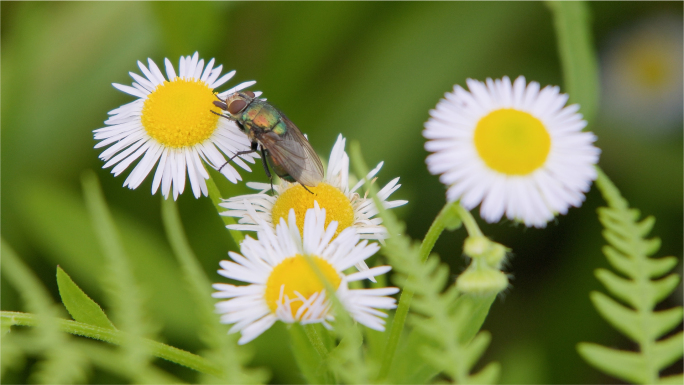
(294, 153)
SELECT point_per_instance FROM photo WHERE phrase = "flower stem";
(450, 214)
(316, 340)
(117, 337)
(469, 222)
(216, 198)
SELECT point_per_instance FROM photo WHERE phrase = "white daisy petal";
(527, 184)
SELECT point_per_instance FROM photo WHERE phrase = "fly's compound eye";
(236, 106)
(250, 94)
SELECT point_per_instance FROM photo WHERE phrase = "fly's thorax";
(262, 115)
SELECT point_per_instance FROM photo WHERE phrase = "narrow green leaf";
(658, 267)
(628, 366)
(620, 262)
(81, 307)
(618, 243)
(476, 348)
(622, 318)
(621, 288)
(668, 351)
(575, 46)
(479, 309)
(663, 287)
(664, 321)
(650, 246)
(645, 226)
(488, 375)
(677, 379)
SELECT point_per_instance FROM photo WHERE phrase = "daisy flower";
(642, 76)
(172, 123)
(513, 148)
(283, 286)
(342, 203)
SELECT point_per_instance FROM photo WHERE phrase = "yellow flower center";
(512, 142)
(178, 113)
(337, 206)
(299, 280)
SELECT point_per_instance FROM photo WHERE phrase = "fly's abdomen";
(279, 170)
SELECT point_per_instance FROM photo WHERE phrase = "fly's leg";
(268, 172)
(307, 190)
(254, 149)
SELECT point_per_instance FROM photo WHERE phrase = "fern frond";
(628, 251)
(62, 362)
(438, 315)
(123, 291)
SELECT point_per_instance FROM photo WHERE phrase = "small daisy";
(172, 122)
(642, 76)
(283, 286)
(512, 147)
(342, 203)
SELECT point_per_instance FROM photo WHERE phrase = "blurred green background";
(370, 71)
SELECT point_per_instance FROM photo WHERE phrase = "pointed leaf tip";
(81, 307)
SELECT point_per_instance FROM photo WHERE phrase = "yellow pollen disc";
(512, 142)
(337, 206)
(296, 275)
(178, 113)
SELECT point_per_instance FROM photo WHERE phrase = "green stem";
(469, 222)
(578, 59)
(216, 198)
(117, 337)
(449, 213)
(316, 340)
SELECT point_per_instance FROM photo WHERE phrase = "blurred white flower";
(642, 75)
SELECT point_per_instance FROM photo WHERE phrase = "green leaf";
(677, 379)
(628, 366)
(575, 46)
(622, 318)
(621, 288)
(668, 351)
(645, 226)
(664, 321)
(658, 267)
(650, 246)
(479, 309)
(488, 375)
(663, 287)
(619, 261)
(476, 348)
(78, 304)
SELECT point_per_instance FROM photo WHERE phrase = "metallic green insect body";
(280, 142)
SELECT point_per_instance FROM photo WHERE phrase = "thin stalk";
(216, 198)
(445, 216)
(117, 337)
(316, 340)
(469, 222)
